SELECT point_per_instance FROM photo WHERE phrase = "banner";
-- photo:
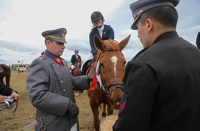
(22, 68)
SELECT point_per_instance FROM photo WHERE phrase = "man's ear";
(47, 42)
(149, 25)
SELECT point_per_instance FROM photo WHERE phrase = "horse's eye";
(125, 63)
(101, 64)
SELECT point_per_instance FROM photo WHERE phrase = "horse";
(77, 72)
(6, 72)
(77, 69)
(111, 69)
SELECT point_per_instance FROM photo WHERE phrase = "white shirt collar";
(102, 27)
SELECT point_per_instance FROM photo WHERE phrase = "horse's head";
(112, 67)
(78, 63)
(77, 69)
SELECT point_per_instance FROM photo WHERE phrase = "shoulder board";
(42, 57)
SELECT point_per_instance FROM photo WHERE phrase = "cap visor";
(62, 41)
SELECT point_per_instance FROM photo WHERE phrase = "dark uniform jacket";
(73, 59)
(162, 88)
(50, 89)
(108, 33)
(4, 90)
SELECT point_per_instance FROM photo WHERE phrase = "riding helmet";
(76, 51)
(96, 15)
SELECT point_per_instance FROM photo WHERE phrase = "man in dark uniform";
(73, 60)
(162, 82)
(50, 87)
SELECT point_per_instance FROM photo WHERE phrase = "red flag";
(94, 82)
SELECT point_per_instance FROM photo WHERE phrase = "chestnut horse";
(77, 69)
(111, 70)
(77, 72)
(5, 73)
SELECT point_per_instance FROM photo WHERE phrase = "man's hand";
(2, 97)
(89, 78)
(14, 95)
(73, 109)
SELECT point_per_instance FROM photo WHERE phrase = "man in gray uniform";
(162, 82)
(50, 86)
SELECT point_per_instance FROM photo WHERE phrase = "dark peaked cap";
(141, 6)
(56, 35)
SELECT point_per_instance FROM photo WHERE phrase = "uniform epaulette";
(42, 57)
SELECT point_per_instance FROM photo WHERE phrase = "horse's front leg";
(104, 110)
(95, 112)
(110, 108)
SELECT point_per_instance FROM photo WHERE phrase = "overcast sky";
(23, 21)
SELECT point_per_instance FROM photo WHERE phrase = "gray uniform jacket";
(49, 87)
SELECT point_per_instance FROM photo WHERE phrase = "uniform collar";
(53, 57)
(49, 54)
(165, 36)
(161, 37)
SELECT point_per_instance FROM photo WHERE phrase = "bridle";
(115, 84)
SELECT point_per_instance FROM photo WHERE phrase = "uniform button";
(64, 90)
(53, 65)
(61, 81)
(58, 73)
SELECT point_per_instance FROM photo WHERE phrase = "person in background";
(50, 86)
(198, 40)
(103, 31)
(162, 82)
(73, 60)
(42, 53)
(7, 91)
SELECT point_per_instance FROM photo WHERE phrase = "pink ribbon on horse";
(94, 82)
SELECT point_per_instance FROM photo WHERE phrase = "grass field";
(25, 113)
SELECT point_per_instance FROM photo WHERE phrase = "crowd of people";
(161, 82)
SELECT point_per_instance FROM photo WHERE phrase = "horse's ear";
(99, 44)
(124, 42)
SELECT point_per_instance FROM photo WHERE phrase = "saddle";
(86, 65)
(1, 70)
